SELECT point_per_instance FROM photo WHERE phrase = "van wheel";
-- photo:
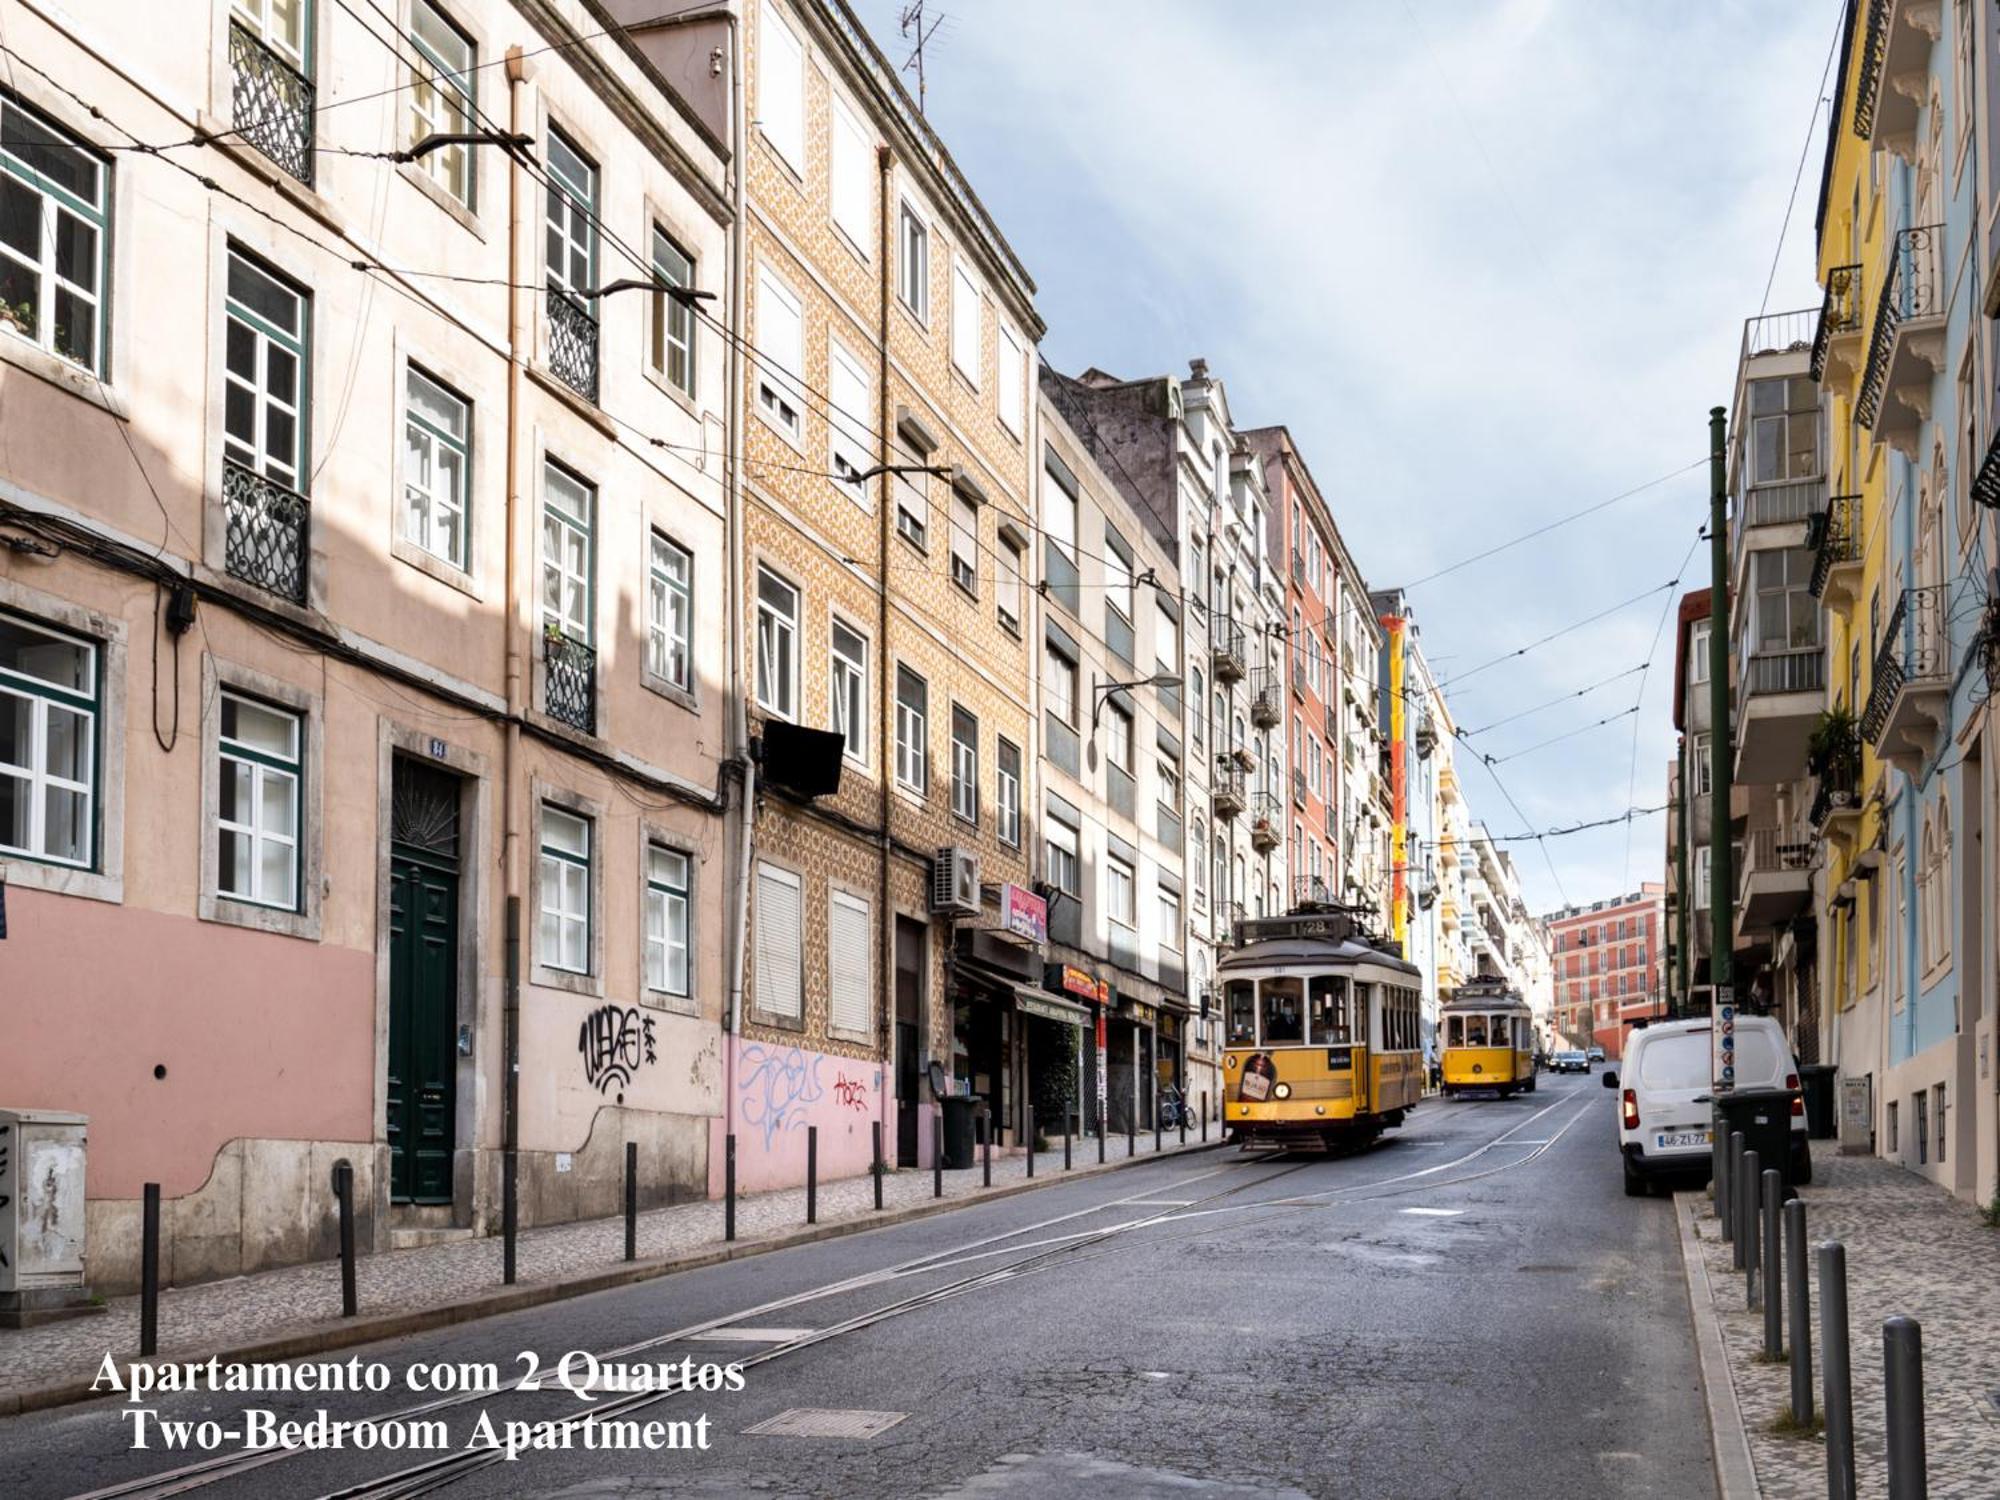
(1801, 1165)
(1635, 1185)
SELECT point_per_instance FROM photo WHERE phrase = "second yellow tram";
(1487, 1040)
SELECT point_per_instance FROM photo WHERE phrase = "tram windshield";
(1284, 1011)
(1475, 1031)
(1242, 1006)
(1331, 1023)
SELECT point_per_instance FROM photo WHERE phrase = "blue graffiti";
(777, 1086)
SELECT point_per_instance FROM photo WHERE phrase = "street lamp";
(939, 471)
(1105, 689)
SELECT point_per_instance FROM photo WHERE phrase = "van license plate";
(1679, 1140)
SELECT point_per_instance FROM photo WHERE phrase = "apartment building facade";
(374, 709)
(1688, 940)
(1607, 966)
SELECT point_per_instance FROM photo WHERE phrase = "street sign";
(1722, 1038)
(1024, 914)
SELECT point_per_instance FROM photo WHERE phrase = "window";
(670, 613)
(568, 505)
(1701, 858)
(437, 461)
(1698, 652)
(1170, 784)
(848, 399)
(566, 855)
(1170, 919)
(1167, 643)
(673, 317)
(1007, 788)
(1704, 771)
(1117, 574)
(913, 507)
(282, 25)
(265, 367)
(55, 211)
(1013, 379)
(48, 743)
(850, 963)
(781, 87)
(1059, 507)
(1059, 686)
(667, 907)
(1060, 860)
(1118, 737)
(777, 645)
(964, 765)
(913, 274)
(1007, 585)
(1937, 1120)
(1120, 892)
(850, 173)
(1920, 1112)
(912, 731)
(571, 215)
(1198, 858)
(964, 544)
(441, 97)
(848, 690)
(1786, 616)
(780, 354)
(1784, 429)
(780, 973)
(257, 806)
(964, 322)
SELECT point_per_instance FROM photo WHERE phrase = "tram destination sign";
(1333, 927)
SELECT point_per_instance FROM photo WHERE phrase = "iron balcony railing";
(1266, 711)
(1780, 332)
(1777, 504)
(271, 103)
(1801, 671)
(267, 533)
(1267, 822)
(1769, 849)
(1225, 788)
(1310, 890)
(569, 682)
(1986, 483)
(1836, 791)
(573, 344)
(1868, 78)
(1914, 288)
(1835, 538)
(1839, 312)
(1912, 649)
(1225, 649)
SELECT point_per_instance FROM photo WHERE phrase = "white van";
(1664, 1098)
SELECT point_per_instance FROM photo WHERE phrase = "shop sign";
(1049, 1010)
(1138, 1011)
(1025, 914)
(1077, 982)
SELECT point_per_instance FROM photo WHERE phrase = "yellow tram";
(1488, 1040)
(1323, 1031)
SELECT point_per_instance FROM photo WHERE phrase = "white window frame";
(565, 522)
(913, 509)
(1121, 893)
(1698, 656)
(671, 338)
(269, 342)
(56, 203)
(669, 934)
(557, 866)
(777, 684)
(913, 262)
(850, 966)
(1062, 855)
(781, 87)
(766, 977)
(1010, 400)
(847, 690)
(965, 544)
(669, 611)
(442, 102)
(850, 397)
(1007, 560)
(431, 449)
(964, 765)
(850, 177)
(913, 733)
(283, 774)
(966, 321)
(34, 779)
(1704, 765)
(1069, 677)
(1007, 792)
(780, 356)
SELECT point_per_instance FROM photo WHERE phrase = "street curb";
(345, 1333)
(1735, 1473)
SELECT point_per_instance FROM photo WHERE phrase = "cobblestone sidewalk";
(1911, 1248)
(200, 1320)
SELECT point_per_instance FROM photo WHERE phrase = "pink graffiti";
(850, 1093)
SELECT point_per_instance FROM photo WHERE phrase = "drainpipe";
(885, 701)
(519, 348)
(739, 715)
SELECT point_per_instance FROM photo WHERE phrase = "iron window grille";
(271, 100)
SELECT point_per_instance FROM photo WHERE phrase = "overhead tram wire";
(1805, 153)
(1555, 635)
(1632, 772)
(1569, 734)
(1466, 734)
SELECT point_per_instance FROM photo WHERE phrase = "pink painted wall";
(261, 1036)
(779, 1091)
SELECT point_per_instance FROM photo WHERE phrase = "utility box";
(1857, 1115)
(41, 1216)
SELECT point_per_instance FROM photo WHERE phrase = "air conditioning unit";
(955, 882)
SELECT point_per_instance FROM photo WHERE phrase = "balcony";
(573, 344)
(1837, 346)
(569, 681)
(1780, 694)
(1776, 882)
(1836, 804)
(1868, 74)
(1225, 650)
(1911, 682)
(1780, 333)
(1311, 890)
(1267, 822)
(1785, 503)
(1242, 757)
(1906, 348)
(1226, 791)
(270, 103)
(1266, 710)
(1835, 537)
(268, 532)
(1897, 50)
(1986, 483)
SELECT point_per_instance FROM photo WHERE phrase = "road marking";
(753, 1335)
(1435, 1213)
(1159, 1202)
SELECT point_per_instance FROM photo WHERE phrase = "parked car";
(1665, 1098)
(1569, 1062)
(1595, 1054)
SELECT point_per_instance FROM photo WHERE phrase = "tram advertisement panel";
(1258, 1075)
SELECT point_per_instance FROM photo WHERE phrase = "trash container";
(1765, 1118)
(960, 1140)
(1822, 1114)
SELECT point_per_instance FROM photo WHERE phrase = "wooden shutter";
(850, 964)
(778, 943)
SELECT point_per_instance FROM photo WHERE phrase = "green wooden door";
(423, 984)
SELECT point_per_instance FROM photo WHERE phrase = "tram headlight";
(1282, 1091)
(1319, 1109)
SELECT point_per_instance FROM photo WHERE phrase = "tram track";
(447, 1468)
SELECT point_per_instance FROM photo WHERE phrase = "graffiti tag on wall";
(777, 1087)
(615, 1041)
(850, 1093)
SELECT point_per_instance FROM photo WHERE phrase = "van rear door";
(1671, 1076)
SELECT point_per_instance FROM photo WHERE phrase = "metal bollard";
(1903, 1393)
(1204, 1117)
(1131, 1135)
(1159, 1144)
(149, 1274)
(1835, 1372)
(1069, 1119)
(343, 1189)
(1100, 1136)
(1031, 1148)
(1736, 1152)
(510, 1211)
(1798, 1302)
(876, 1170)
(986, 1151)
(631, 1200)
(729, 1187)
(1182, 1114)
(937, 1156)
(812, 1174)
(1771, 1283)
(1748, 1174)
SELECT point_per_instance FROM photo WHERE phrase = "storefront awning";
(1051, 1007)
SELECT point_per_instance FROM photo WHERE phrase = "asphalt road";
(1469, 1308)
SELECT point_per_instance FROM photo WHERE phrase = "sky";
(1489, 262)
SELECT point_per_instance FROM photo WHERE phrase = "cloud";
(1489, 262)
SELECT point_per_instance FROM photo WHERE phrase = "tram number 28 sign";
(1722, 1031)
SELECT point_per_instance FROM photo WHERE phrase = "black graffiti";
(616, 1041)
